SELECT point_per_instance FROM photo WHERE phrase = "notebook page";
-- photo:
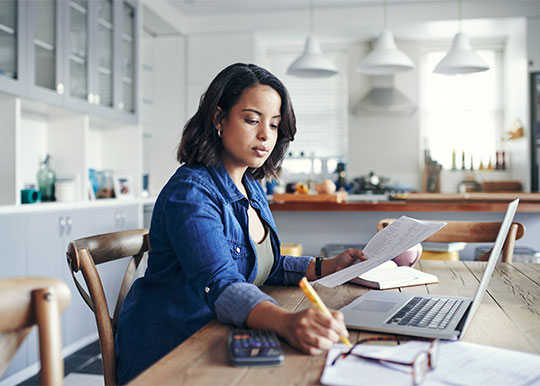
(389, 242)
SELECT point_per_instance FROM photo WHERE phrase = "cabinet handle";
(61, 226)
(91, 98)
(69, 226)
(60, 89)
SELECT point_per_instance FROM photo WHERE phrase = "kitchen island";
(314, 224)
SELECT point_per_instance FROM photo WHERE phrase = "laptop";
(423, 315)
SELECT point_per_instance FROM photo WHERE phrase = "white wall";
(208, 54)
(164, 111)
(533, 45)
(387, 144)
(516, 103)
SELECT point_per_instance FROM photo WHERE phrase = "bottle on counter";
(341, 183)
(454, 166)
(462, 160)
(46, 178)
(503, 160)
(497, 161)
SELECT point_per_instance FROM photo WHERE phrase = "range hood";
(384, 98)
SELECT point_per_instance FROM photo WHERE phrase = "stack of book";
(442, 251)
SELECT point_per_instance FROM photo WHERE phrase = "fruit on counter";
(326, 187)
(302, 188)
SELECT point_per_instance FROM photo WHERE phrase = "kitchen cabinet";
(36, 245)
(100, 57)
(13, 264)
(43, 49)
(12, 37)
(48, 235)
(78, 54)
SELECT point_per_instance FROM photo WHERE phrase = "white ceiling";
(337, 20)
(213, 7)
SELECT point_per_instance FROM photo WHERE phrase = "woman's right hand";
(312, 331)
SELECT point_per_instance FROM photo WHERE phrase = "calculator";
(254, 348)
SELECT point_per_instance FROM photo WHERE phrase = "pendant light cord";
(385, 14)
(311, 17)
(460, 13)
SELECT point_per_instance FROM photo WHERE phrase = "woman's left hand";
(347, 258)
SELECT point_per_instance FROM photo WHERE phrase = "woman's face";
(250, 131)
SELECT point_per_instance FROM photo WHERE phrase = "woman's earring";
(219, 133)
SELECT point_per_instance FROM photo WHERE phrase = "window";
(320, 106)
(462, 113)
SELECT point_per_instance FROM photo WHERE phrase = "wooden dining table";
(509, 317)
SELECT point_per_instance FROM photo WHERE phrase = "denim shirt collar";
(228, 188)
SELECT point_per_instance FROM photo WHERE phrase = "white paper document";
(389, 242)
(459, 363)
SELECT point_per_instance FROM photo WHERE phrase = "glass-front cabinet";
(105, 54)
(81, 54)
(44, 49)
(78, 53)
(128, 59)
(11, 46)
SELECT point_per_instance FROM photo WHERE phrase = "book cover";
(443, 247)
(389, 275)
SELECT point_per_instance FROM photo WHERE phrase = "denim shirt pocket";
(241, 255)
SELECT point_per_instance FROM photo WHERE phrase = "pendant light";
(386, 58)
(461, 59)
(312, 63)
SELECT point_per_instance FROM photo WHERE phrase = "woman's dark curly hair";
(200, 143)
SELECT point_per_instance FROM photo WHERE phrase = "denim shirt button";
(206, 289)
(237, 249)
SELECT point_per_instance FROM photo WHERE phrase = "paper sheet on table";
(389, 242)
(459, 363)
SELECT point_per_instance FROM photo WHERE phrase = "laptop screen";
(492, 261)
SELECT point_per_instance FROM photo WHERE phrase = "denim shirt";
(201, 266)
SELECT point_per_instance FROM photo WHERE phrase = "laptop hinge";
(459, 327)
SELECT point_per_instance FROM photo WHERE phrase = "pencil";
(317, 302)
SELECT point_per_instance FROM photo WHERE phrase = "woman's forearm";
(268, 316)
(327, 267)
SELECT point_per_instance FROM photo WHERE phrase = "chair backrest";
(83, 255)
(473, 232)
(29, 301)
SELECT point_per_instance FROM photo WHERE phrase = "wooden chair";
(83, 255)
(29, 301)
(473, 232)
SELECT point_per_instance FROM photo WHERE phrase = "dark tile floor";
(87, 361)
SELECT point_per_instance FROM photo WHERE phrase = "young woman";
(213, 239)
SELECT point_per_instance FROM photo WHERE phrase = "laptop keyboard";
(426, 312)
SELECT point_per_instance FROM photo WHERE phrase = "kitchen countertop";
(421, 202)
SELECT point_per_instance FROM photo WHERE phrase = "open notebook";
(390, 275)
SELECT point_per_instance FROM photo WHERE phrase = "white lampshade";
(461, 59)
(386, 58)
(312, 63)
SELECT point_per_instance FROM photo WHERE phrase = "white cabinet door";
(79, 327)
(12, 264)
(13, 256)
(48, 235)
